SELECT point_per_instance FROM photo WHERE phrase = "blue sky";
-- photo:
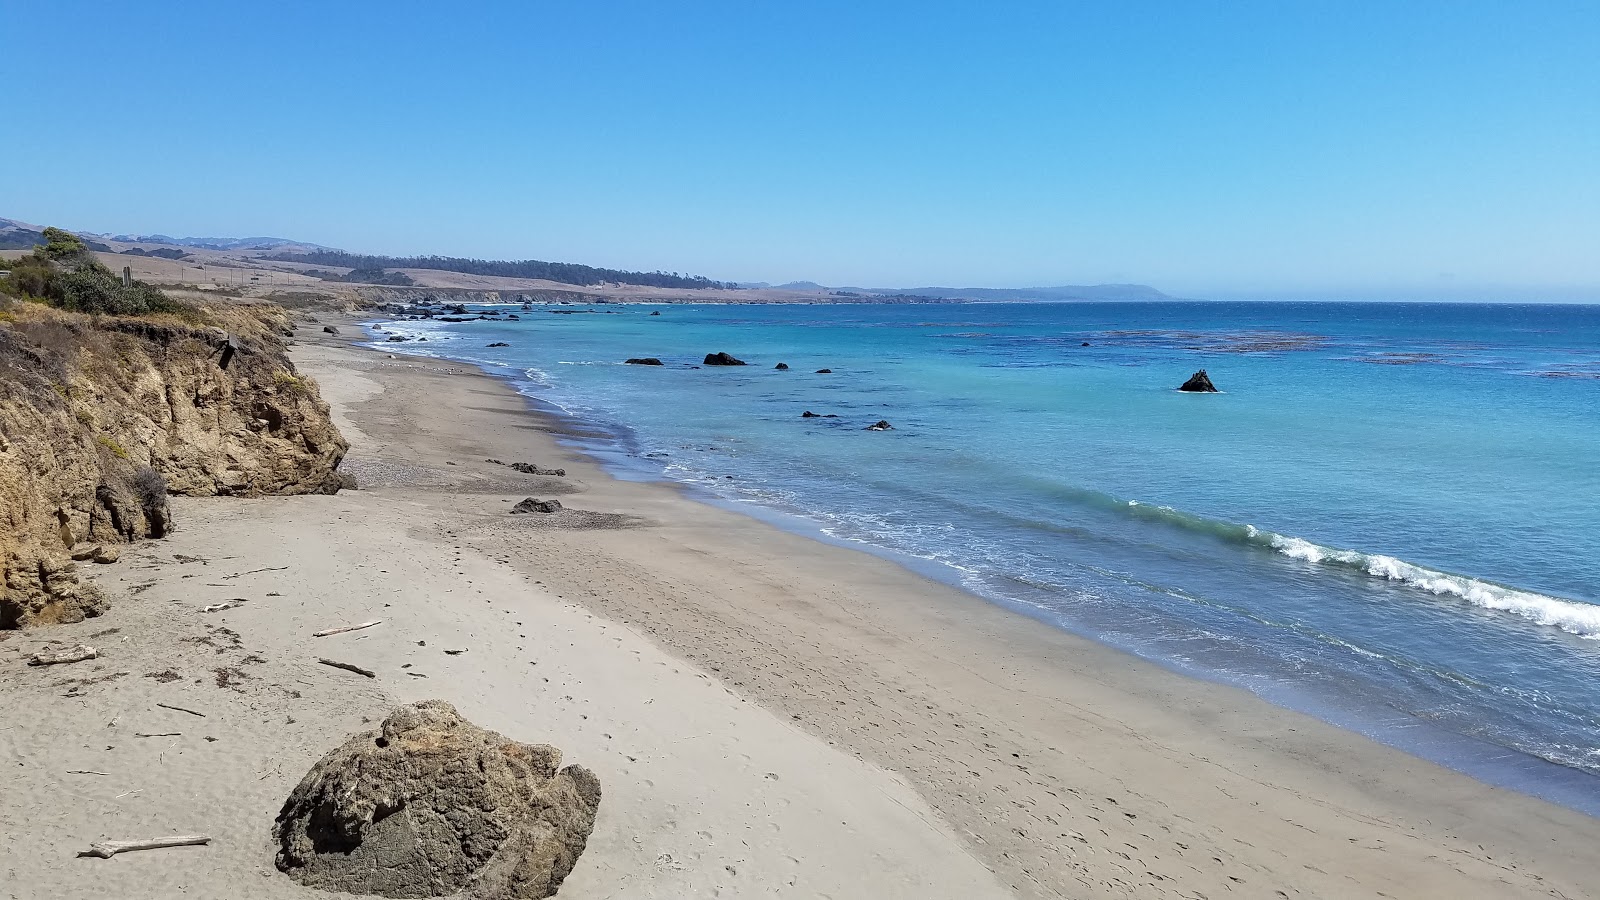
(1405, 150)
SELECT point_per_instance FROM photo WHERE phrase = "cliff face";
(101, 416)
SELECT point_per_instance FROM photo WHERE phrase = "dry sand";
(768, 715)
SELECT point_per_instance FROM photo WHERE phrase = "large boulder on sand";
(1199, 383)
(431, 805)
(534, 504)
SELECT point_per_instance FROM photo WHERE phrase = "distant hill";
(225, 244)
(564, 273)
(1101, 292)
(16, 235)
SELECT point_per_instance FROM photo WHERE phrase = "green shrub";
(63, 273)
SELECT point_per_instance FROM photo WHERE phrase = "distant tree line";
(564, 273)
(364, 276)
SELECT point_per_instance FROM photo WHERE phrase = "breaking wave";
(1571, 616)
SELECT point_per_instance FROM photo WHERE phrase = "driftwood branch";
(226, 604)
(347, 628)
(254, 571)
(158, 734)
(181, 709)
(51, 657)
(108, 849)
(348, 667)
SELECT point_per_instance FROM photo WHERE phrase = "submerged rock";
(656, 313)
(824, 371)
(783, 366)
(722, 359)
(431, 805)
(643, 361)
(534, 504)
(1199, 383)
(498, 344)
(880, 425)
(808, 414)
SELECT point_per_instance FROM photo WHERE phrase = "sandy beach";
(768, 715)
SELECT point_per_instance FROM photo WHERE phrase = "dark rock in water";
(644, 361)
(531, 469)
(459, 309)
(722, 359)
(824, 371)
(534, 504)
(1199, 383)
(783, 366)
(431, 805)
(515, 317)
(656, 313)
(329, 329)
(880, 425)
(808, 414)
(498, 344)
(1085, 343)
(456, 319)
(395, 338)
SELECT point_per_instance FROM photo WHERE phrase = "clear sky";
(1212, 149)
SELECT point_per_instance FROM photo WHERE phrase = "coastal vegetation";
(64, 273)
(565, 273)
(372, 275)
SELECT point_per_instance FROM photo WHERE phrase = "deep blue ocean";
(1390, 516)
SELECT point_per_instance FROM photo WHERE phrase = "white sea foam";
(1571, 616)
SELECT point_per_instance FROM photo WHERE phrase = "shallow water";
(1390, 516)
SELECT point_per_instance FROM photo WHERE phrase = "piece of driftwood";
(108, 849)
(348, 667)
(159, 734)
(226, 604)
(86, 772)
(254, 571)
(454, 652)
(346, 628)
(53, 657)
(181, 709)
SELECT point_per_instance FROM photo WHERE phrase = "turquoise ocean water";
(1389, 518)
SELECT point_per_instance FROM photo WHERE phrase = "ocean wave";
(1572, 616)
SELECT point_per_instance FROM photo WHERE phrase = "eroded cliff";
(101, 416)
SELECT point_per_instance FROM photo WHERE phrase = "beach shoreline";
(614, 446)
(1379, 774)
(767, 713)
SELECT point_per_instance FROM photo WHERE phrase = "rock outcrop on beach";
(1199, 383)
(329, 329)
(531, 469)
(722, 359)
(431, 805)
(100, 417)
(535, 505)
